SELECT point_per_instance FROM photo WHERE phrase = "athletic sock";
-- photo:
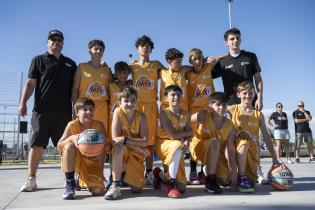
(69, 175)
(174, 164)
(193, 166)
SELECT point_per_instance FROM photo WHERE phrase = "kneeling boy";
(214, 139)
(174, 139)
(247, 121)
(129, 138)
(90, 169)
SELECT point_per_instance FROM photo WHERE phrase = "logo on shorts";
(96, 90)
(144, 83)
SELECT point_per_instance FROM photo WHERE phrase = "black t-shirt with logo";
(280, 119)
(301, 127)
(54, 82)
(235, 70)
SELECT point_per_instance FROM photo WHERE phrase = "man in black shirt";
(51, 75)
(238, 66)
(303, 131)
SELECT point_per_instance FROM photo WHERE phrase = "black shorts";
(48, 125)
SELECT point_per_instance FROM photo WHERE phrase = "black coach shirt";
(301, 127)
(280, 119)
(54, 82)
(235, 70)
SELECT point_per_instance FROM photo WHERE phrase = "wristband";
(125, 139)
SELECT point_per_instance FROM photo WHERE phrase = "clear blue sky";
(280, 32)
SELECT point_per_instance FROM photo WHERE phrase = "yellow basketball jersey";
(200, 86)
(173, 78)
(207, 129)
(76, 128)
(144, 79)
(130, 129)
(94, 82)
(247, 123)
(178, 122)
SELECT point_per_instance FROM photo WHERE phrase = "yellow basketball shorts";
(252, 158)
(152, 114)
(165, 150)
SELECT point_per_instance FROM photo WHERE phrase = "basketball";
(281, 178)
(91, 142)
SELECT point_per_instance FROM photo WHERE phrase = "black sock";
(116, 183)
(193, 166)
(69, 175)
(211, 177)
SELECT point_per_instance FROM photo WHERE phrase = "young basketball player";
(200, 86)
(92, 79)
(90, 169)
(145, 75)
(173, 76)
(174, 139)
(247, 121)
(214, 139)
(122, 71)
(129, 138)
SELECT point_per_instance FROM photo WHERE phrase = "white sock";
(173, 167)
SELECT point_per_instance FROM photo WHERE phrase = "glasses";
(301, 105)
(56, 39)
(279, 106)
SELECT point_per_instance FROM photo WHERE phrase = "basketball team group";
(91, 115)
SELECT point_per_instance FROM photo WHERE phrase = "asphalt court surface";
(50, 183)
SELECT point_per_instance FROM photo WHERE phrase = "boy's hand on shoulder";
(133, 61)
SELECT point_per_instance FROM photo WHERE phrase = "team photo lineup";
(137, 111)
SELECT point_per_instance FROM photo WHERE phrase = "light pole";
(4, 108)
(230, 18)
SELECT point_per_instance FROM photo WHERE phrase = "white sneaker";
(290, 161)
(113, 193)
(30, 185)
(149, 178)
(261, 177)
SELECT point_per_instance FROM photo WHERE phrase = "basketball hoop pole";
(230, 18)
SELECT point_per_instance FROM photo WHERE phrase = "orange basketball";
(281, 178)
(91, 142)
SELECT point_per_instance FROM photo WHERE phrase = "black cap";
(55, 33)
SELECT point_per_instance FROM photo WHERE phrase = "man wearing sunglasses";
(51, 76)
(303, 131)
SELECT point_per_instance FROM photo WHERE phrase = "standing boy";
(145, 75)
(238, 66)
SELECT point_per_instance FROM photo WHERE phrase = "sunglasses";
(279, 106)
(56, 39)
(301, 105)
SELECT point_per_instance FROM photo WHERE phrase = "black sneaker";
(212, 185)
